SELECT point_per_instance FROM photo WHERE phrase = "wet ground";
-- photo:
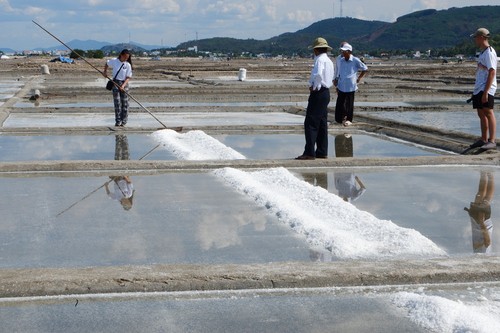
(393, 205)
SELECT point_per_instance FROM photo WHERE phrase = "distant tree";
(96, 54)
(74, 54)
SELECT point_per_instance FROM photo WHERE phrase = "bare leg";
(488, 124)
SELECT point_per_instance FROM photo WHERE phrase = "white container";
(242, 74)
(45, 69)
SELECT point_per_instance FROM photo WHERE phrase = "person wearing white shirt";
(484, 90)
(346, 81)
(122, 73)
(320, 82)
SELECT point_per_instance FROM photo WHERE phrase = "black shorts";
(477, 103)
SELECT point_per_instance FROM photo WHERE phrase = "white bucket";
(242, 74)
(45, 69)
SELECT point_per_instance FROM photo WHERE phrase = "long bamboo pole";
(102, 73)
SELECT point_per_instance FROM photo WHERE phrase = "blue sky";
(170, 22)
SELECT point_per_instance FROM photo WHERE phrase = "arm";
(122, 87)
(105, 72)
(361, 75)
(316, 75)
(363, 68)
(491, 77)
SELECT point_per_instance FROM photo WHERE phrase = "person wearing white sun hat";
(346, 81)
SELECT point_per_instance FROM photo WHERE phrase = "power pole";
(341, 13)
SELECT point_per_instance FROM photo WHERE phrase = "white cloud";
(5, 5)
(158, 6)
(175, 21)
(300, 16)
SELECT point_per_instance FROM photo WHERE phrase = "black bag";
(110, 83)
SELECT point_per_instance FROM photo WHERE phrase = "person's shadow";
(480, 214)
(123, 189)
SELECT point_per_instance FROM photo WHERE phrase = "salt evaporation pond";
(457, 121)
(252, 146)
(143, 119)
(474, 308)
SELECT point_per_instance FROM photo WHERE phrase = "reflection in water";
(209, 235)
(346, 182)
(343, 145)
(317, 179)
(123, 189)
(480, 214)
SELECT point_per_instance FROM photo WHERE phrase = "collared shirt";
(124, 73)
(322, 73)
(487, 60)
(347, 73)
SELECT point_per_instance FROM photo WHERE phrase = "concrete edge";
(169, 278)
(124, 166)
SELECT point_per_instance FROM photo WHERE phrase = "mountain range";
(93, 45)
(421, 30)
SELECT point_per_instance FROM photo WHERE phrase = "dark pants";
(120, 100)
(344, 108)
(316, 125)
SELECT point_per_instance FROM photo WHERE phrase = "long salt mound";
(438, 314)
(325, 219)
(195, 145)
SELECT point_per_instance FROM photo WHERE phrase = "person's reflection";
(123, 189)
(346, 182)
(343, 145)
(316, 178)
(480, 214)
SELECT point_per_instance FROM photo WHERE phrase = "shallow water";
(252, 146)
(143, 119)
(430, 200)
(160, 104)
(282, 146)
(79, 147)
(465, 122)
(195, 218)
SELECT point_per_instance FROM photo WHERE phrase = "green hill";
(422, 30)
(430, 29)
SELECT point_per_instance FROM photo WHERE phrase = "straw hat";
(320, 42)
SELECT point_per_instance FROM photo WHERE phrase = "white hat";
(346, 47)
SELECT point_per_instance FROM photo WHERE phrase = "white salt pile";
(195, 145)
(438, 314)
(324, 219)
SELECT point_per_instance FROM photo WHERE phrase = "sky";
(171, 22)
